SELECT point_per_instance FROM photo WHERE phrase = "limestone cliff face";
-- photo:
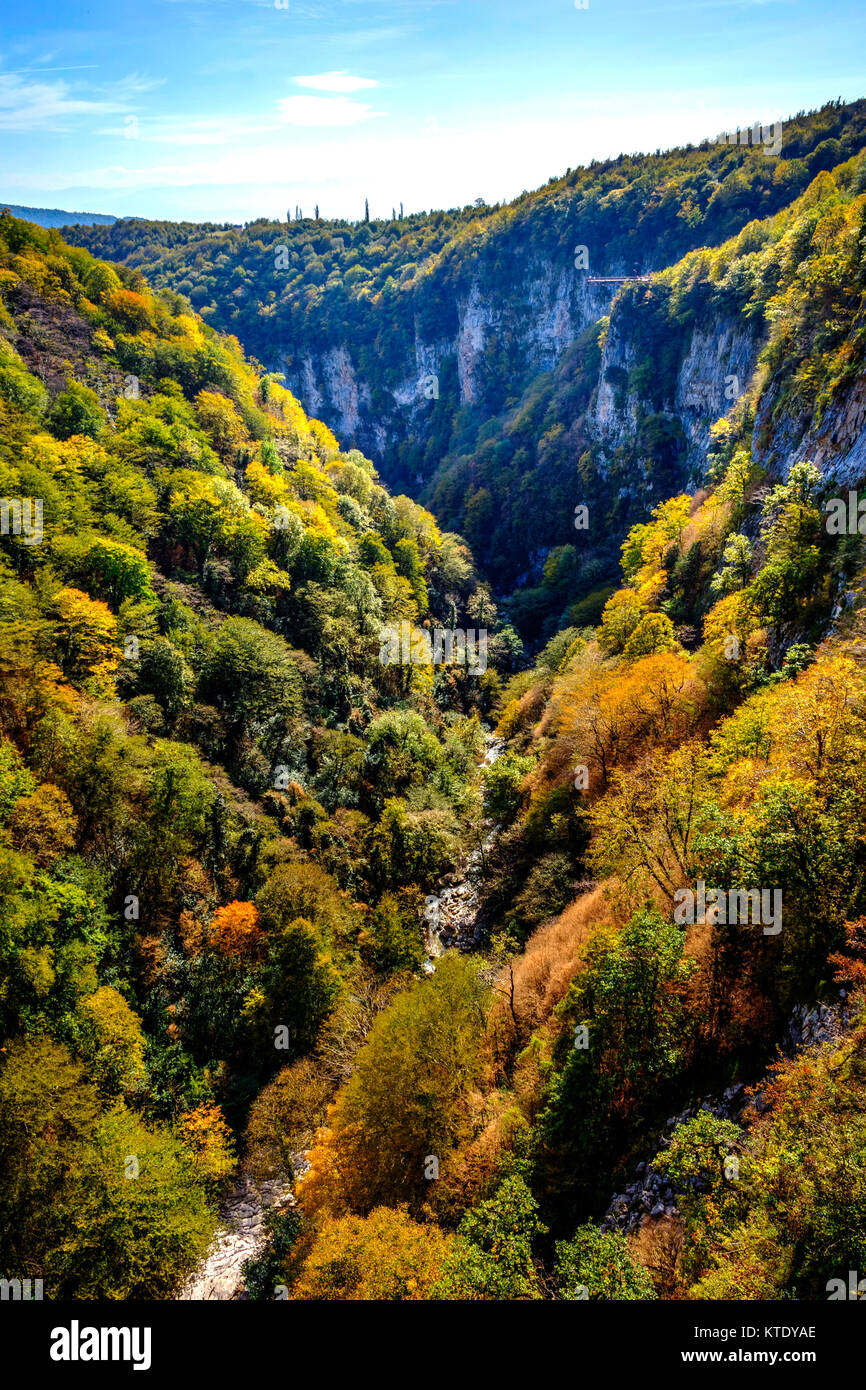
(332, 388)
(544, 306)
(613, 414)
(714, 371)
(836, 443)
(535, 322)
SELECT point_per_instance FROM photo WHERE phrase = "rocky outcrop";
(715, 370)
(650, 1196)
(836, 444)
(812, 1027)
(547, 308)
(330, 385)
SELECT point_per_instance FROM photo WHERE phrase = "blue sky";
(232, 109)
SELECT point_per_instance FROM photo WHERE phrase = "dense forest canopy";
(365, 281)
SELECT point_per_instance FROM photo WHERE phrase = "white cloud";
(27, 105)
(336, 82)
(30, 106)
(424, 166)
(324, 111)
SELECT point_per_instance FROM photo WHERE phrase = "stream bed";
(450, 917)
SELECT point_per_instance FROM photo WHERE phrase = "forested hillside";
(534, 977)
(220, 809)
(470, 354)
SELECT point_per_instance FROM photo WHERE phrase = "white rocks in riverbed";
(240, 1237)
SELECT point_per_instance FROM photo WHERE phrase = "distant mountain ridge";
(58, 217)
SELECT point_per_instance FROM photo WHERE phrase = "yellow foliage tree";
(609, 714)
(43, 824)
(622, 613)
(220, 420)
(284, 1117)
(644, 828)
(205, 1132)
(407, 1098)
(113, 1042)
(86, 640)
(385, 1255)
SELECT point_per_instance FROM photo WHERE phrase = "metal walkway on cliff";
(614, 279)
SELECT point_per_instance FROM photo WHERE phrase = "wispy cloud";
(46, 106)
(218, 130)
(228, 129)
(75, 67)
(28, 106)
(335, 82)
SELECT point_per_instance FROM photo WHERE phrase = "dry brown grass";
(521, 716)
(552, 959)
(706, 524)
(556, 768)
(473, 1170)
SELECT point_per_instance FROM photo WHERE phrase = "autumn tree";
(285, 1116)
(385, 1255)
(220, 420)
(237, 930)
(43, 824)
(206, 1134)
(86, 633)
(645, 827)
(112, 1043)
(406, 1098)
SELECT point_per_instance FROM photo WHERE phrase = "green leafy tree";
(630, 1001)
(296, 989)
(597, 1264)
(251, 677)
(76, 411)
(492, 1256)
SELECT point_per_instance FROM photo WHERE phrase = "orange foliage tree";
(237, 930)
(610, 713)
